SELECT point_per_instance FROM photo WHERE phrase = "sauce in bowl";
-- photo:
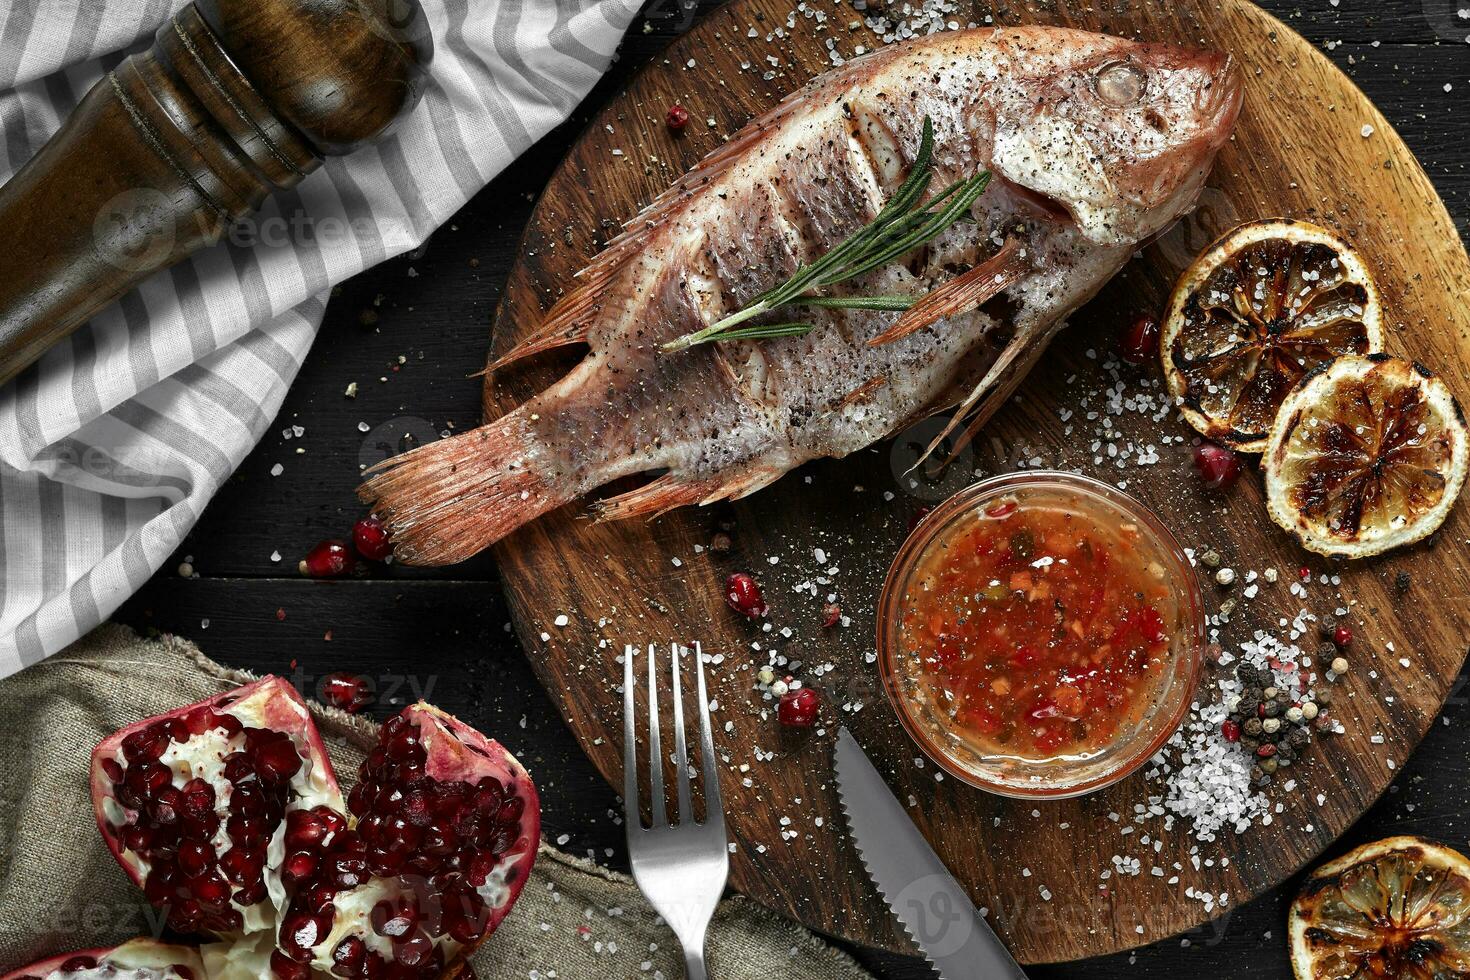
(1040, 634)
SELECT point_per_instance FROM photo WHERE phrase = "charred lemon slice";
(1398, 907)
(1253, 315)
(1366, 454)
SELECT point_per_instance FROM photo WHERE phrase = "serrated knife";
(933, 908)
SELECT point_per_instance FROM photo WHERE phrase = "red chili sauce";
(1039, 630)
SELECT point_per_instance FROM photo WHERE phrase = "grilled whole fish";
(1094, 143)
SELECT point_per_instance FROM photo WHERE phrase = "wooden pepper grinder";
(237, 99)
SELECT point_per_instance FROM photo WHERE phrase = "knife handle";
(235, 100)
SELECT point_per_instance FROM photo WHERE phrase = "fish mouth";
(1220, 102)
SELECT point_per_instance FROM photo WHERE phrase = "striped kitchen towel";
(111, 446)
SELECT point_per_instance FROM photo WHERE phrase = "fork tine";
(714, 811)
(659, 817)
(631, 817)
(681, 752)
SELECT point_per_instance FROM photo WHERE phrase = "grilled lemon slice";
(1398, 907)
(1259, 310)
(1367, 454)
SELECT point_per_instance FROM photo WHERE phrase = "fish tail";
(448, 500)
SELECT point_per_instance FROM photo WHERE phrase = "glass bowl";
(1141, 733)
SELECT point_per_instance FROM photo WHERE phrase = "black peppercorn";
(1298, 737)
(1247, 706)
(1327, 625)
(1250, 744)
(1285, 751)
(1246, 674)
(1401, 582)
(1273, 708)
(1252, 727)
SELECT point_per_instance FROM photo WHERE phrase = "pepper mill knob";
(237, 99)
(339, 71)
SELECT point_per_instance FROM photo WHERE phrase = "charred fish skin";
(1095, 144)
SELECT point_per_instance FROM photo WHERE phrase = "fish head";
(1116, 135)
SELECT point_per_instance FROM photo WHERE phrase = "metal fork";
(681, 867)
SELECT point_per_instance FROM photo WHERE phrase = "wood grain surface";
(1308, 145)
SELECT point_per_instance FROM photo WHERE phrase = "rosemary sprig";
(900, 227)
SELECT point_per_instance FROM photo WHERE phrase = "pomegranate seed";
(350, 954)
(346, 691)
(1230, 728)
(1342, 636)
(277, 760)
(329, 559)
(195, 857)
(1304, 573)
(76, 964)
(1218, 466)
(798, 708)
(298, 866)
(744, 596)
(831, 614)
(282, 968)
(370, 537)
(677, 118)
(1140, 341)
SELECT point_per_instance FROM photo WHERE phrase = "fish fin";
(961, 294)
(860, 393)
(445, 501)
(670, 492)
(653, 499)
(1008, 371)
(567, 322)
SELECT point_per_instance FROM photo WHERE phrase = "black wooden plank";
(445, 630)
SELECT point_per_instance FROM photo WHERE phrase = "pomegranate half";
(139, 959)
(228, 814)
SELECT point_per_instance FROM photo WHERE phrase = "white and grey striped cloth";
(111, 446)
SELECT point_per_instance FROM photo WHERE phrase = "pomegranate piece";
(1342, 636)
(229, 816)
(677, 118)
(743, 594)
(370, 538)
(1218, 467)
(346, 691)
(1140, 341)
(187, 801)
(798, 708)
(140, 959)
(328, 559)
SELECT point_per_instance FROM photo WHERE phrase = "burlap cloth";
(61, 890)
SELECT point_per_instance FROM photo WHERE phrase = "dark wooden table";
(410, 333)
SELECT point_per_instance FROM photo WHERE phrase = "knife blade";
(934, 909)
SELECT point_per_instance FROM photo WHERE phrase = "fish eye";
(1120, 83)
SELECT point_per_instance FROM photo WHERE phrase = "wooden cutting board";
(1303, 148)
